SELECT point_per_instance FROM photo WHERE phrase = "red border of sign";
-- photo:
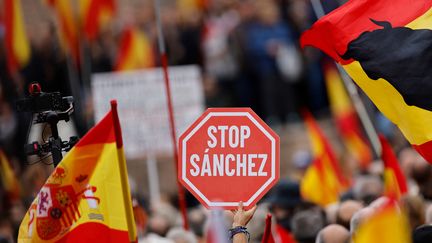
(261, 122)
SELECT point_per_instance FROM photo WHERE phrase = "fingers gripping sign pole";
(164, 60)
(353, 93)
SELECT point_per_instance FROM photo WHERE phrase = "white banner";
(142, 105)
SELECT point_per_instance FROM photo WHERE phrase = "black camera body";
(42, 101)
(50, 108)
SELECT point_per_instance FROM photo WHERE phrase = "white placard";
(142, 105)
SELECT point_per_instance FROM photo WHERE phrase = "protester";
(333, 233)
(243, 49)
(346, 211)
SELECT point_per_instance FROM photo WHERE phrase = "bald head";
(333, 233)
(345, 212)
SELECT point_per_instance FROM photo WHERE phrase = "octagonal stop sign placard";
(228, 155)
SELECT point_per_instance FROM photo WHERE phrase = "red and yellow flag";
(16, 42)
(394, 180)
(135, 51)
(386, 47)
(67, 25)
(86, 198)
(94, 14)
(8, 178)
(346, 117)
(323, 181)
(387, 225)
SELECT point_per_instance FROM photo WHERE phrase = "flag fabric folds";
(135, 52)
(395, 184)
(94, 14)
(8, 178)
(388, 224)
(323, 181)
(384, 45)
(345, 117)
(16, 41)
(86, 198)
(268, 236)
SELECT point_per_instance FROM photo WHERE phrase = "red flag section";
(136, 51)
(94, 14)
(268, 236)
(394, 180)
(324, 172)
(333, 33)
(17, 44)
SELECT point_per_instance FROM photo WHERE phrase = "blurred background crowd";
(249, 55)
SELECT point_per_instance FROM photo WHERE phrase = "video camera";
(40, 101)
(50, 108)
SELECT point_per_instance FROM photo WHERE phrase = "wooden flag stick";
(123, 174)
(164, 59)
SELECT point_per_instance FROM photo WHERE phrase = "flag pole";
(123, 174)
(354, 95)
(164, 60)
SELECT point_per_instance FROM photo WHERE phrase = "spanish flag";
(387, 225)
(135, 51)
(386, 47)
(8, 178)
(323, 181)
(345, 117)
(86, 198)
(16, 42)
(94, 14)
(394, 180)
(67, 25)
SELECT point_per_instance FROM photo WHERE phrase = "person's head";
(367, 188)
(414, 207)
(306, 224)
(179, 235)
(333, 233)
(345, 212)
(423, 234)
(282, 200)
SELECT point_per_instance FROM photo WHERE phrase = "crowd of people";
(249, 56)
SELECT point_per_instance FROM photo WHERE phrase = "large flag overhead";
(395, 184)
(345, 117)
(135, 51)
(323, 181)
(386, 47)
(86, 198)
(387, 225)
(16, 42)
(94, 14)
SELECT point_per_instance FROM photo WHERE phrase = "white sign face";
(142, 105)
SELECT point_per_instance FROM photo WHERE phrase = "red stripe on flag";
(12, 63)
(102, 133)
(397, 12)
(424, 149)
(116, 120)
(94, 232)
